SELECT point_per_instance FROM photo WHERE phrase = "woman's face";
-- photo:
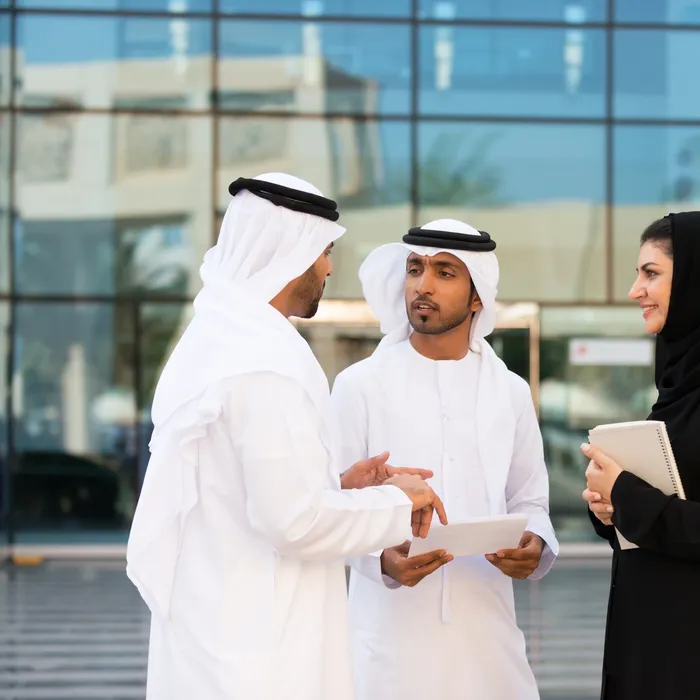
(652, 288)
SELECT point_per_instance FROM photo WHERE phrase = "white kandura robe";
(453, 636)
(259, 604)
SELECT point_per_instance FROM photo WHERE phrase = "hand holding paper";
(521, 562)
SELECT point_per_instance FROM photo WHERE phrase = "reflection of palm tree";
(447, 177)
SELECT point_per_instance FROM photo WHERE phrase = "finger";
(417, 523)
(422, 473)
(424, 571)
(426, 559)
(440, 509)
(426, 518)
(602, 509)
(514, 554)
(379, 459)
(590, 496)
(596, 455)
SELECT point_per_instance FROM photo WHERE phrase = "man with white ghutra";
(243, 525)
(435, 393)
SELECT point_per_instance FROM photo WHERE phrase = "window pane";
(5, 61)
(577, 394)
(675, 12)
(512, 71)
(544, 10)
(4, 425)
(160, 328)
(175, 6)
(315, 8)
(314, 67)
(363, 164)
(657, 171)
(654, 75)
(5, 214)
(113, 203)
(74, 423)
(538, 189)
(104, 62)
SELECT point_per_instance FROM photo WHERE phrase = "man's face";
(439, 294)
(312, 283)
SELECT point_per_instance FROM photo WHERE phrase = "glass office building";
(562, 127)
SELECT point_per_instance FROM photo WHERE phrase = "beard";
(435, 324)
(309, 293)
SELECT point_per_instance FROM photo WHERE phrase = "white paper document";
(473, 537)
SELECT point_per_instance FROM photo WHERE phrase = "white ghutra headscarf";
(235, 331)
(383, 275)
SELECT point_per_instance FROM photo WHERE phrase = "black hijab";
(678, 353)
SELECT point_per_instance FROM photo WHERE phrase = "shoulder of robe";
(519, 391)
(356, 374)
(265, 384)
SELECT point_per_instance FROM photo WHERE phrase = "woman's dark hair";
(659, 233)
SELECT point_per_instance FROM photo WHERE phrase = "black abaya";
(652, 639)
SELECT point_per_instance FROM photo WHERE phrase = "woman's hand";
(602, 510)
(602, 472)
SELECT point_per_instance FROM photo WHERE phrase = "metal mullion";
(11, 464)
(414, 118)
(609, 158)
(29, 298)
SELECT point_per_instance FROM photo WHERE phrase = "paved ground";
(80, 632)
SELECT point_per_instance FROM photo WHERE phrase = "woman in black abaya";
(652, 645)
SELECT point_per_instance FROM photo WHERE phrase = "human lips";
(648, 309)
(423, 307)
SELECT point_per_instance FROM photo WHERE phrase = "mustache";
(425, 301)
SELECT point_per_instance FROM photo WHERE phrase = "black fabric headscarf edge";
(677, 369)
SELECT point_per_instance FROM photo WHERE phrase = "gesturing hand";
(375, 471)
(410, 571)
(521, 562)
(424, 499)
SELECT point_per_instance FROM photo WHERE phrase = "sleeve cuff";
(370, 566)
(549, 552)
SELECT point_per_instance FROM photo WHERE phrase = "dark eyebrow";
(444, 263)
(647, 265)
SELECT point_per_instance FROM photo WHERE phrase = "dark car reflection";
(55, 490)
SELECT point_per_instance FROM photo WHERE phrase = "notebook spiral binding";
(670, 462)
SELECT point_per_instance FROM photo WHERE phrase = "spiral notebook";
(643, 448)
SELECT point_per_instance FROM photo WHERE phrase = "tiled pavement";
(78, 631)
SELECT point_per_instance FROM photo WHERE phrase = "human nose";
(425, 285)
(637, 290)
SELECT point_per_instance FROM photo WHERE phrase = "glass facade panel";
(651, 77)
(541, 10)
(596, 367)
(121, 131)
(317, 8)
(657, 171)
(365, 165)
(174, 6)
(106, 62)
(539, 190)
(74, 421)
(5, 204)
(113, 203)
(512, 71)
(658, 11)
(5, 60)
(160, 327)
(314, 67)
(4, 423)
